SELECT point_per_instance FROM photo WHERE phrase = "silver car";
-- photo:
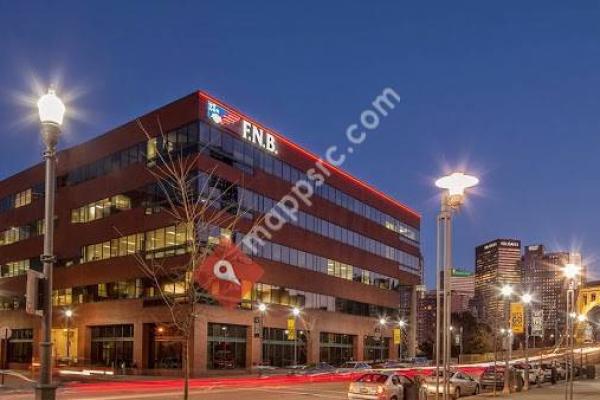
(459, 384)
(380, 386)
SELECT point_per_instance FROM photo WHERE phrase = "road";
(583, 390)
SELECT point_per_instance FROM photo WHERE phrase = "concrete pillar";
(359, 348)
(138, 345)
(313, 351)
(199, 348)
(412, 324)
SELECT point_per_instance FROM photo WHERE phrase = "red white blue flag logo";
(220, 115)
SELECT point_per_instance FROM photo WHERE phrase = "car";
(352, 366)
(312, 369)
(382, 386)
(536, 374)
(459, 384)
(494, 376)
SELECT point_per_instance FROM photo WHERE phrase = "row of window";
(22, 198)
(255, 157)
(313, 262)
(261, 293)
(271, 294)
(262, 204)
(19, 267)
(17, 233)
(158, 243)
(100, 209)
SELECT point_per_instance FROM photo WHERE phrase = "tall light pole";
(401, 326)
(570, 271)
(526, 299)
(295, 313)
(453, 196)
(581, 319)
(51, 111)
(507, 292)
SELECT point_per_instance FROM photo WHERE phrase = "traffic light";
(34, 295)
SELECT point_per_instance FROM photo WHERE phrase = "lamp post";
(453, 196)
(582, 319)
(526, 300)
(401, 326)
(69, 315)
(262, 309)
(51, 112)
(507, 292)
(382, 323)
(570, 271)
(295, 313)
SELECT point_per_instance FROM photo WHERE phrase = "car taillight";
(379, 389)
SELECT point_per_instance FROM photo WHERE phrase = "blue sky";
(509, 90)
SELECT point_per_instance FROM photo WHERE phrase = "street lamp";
(262, 309)
(51, 112)
(69, 315)
(582, 319)
(453, 196)
(526, 299)
(382, 323)
(570, 271)
(507, 291)
(295, 313)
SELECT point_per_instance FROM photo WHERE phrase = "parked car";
(459, 384)
(353, 366)
(536, 374)
(494, 376)
(311, 369)
(382, 386)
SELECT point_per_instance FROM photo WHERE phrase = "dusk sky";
(510, 92)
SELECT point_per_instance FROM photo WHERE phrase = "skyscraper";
(543, 278)
(496, 264)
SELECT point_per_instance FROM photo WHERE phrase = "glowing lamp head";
(262, 307)
(401, 323)
(50, 108)
(581, 318)
(382, 321)
(68, 313)
(571, 270)
(295, 311)
(456, 183)
(526, 298)
(506, 290)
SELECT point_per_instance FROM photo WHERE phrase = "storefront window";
(376, 348)
(20, 346)
(278, 350)
(166, 346)
(336, 348)
(226, 346)
(112, 345)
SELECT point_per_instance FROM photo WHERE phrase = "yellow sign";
(517, 318)
(397, 335)
(291, 328)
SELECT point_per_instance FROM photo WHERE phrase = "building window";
(376, 348)
(166, 347)
(100, 209)
(278, 350)
(226, 346)
(17, 233)
(20, 267)
(20, 346)
(336, 348)
(62, 297)
(23, 198)
(112, 345)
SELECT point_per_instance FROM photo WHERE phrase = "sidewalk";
(582, 390)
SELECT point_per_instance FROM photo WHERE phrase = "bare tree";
(198, 201)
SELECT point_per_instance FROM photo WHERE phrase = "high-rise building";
(344, 257)
(496, 264)
(462, 283)
(426, 310)
(543, 278)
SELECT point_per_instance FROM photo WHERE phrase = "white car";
(459, 384)
(536, 374)
(381, 386)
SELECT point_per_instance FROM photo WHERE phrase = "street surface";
(583, 390)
